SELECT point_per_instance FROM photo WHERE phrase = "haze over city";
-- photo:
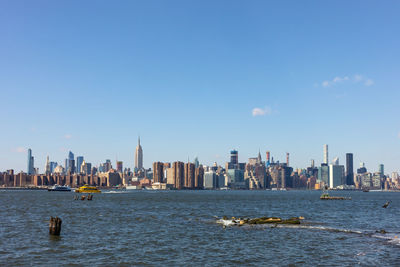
(199, 79)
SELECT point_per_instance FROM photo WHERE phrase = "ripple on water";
(178, 228)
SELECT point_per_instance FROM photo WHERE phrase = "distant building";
(196, 162)
(30, 168)
(139, 156)
(119, 166)
(336, 175)
(71, 162)
(210, 180)
(158, 172)
(349, 169)
(362, 168)
(189, 175)
(199, 177)
(323, 173)
(382, 169)
(178, 174)
(47, 169)
(79, 161)
(326, 157)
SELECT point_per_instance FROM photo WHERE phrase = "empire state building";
(139, 156)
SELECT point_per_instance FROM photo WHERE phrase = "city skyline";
(283, 77)
(347, 163)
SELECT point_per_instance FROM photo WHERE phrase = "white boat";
(60, 188)
(132, 187)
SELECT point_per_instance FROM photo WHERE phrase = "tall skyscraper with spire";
(139, 156)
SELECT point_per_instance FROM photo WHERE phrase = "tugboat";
(60, 188)
(87, 189)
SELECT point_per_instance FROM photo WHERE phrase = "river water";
(179, 228)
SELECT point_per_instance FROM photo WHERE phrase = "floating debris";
(326, 196)
(386, 204)
(262, 220)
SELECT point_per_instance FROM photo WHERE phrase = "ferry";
(87, 189)
(60, 188)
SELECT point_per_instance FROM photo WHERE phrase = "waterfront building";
(189, 175)
(326, 158)
(158, 172)
(170, 177)
(336, 175)
(199, 177)
(349, 169)
(323, 173)
(30, 168)
(79, 161)
(235, 179)
(139, 156)
(178, 174)
(210, 180)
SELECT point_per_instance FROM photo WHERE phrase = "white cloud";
(356, 79)
(68, 136)
(261, 112)
(369, 82)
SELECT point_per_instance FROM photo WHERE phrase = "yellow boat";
(87, 189)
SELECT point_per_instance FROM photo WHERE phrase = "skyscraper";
(189, 175)
(79, 161)
(71, 162)
(349, 169)
(30, 169)
(119, 166)
(382, 169)
(139, 156)
(47, 168)
(326, 158)
(234, 157)
(267, 158)
(178, 174)
(287, 159)
(158, 172)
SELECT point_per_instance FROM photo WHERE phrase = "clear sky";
(199, 78)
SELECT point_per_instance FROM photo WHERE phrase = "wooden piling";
(55, 226)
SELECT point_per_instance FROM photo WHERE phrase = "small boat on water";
(60, 188)
(326, 196)
(87, 189)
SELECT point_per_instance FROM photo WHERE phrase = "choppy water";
(179, 228)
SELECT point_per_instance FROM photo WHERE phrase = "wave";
(115, 192)
(393, 238)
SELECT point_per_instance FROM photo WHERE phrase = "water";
(179, 228)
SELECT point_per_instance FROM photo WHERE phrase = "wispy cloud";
(357, 78)
(19, 149)
(67, 136)
(261, 111)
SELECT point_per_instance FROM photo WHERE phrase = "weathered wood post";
(55, 226)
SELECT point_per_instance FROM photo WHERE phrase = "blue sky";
(198, 78)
